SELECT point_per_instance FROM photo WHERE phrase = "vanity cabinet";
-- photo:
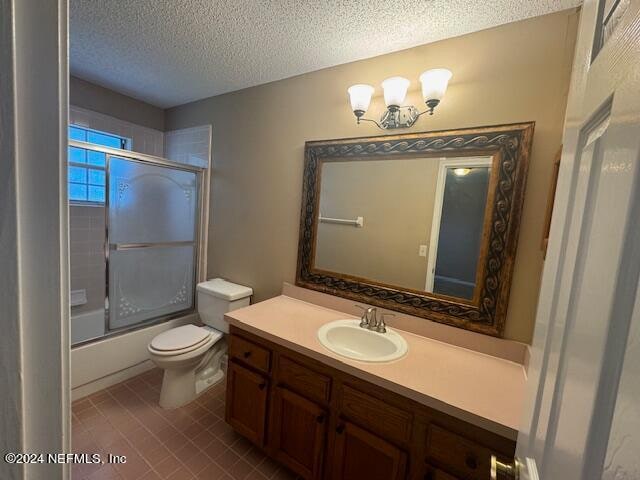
(360, 454)
(246, 407)
(324, 424)
(298, 432)
(432, 473)
(469, 459)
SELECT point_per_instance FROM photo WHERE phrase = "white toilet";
(191, 355)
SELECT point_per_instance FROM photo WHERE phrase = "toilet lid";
(180, 338)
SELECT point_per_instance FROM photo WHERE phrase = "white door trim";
(467, 162)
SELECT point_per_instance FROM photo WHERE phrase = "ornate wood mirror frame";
(509, 147)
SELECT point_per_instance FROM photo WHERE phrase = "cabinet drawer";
(470, 459)
(376, 414)
(249, 353)
(303, 380)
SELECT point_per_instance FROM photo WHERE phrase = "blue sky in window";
(77, 174)
(96, 158)
(96, 177)
(89, 184)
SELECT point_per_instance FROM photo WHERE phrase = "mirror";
(421, 223)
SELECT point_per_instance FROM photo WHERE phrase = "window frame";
(125, 144)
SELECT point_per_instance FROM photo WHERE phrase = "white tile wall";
(191, 146)
(86, 236)
(143, 139)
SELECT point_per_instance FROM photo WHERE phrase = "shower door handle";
(131, 246)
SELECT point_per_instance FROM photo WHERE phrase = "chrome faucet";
(368, 318)
(381, 326)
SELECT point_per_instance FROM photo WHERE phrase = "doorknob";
(510, 471)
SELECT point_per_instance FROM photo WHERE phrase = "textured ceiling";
(169, 52)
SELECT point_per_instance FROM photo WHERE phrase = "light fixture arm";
(369, 120)
(431, 105)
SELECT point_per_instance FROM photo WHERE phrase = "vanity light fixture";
(434, 85)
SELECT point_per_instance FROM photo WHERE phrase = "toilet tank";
(217, 297)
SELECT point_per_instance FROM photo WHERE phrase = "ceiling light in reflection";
(461, 172)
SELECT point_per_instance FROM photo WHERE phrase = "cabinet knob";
(340, 428)
(247, 354)
(320, 418)
(262, 385)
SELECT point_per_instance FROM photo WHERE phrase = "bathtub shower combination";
(151, 219)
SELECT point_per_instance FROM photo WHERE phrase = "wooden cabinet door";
(297, 431)
(359, 454)
(246, 408)
(433, 473)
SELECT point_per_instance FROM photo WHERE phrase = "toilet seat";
(184, 339)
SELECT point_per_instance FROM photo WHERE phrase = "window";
(87, 174)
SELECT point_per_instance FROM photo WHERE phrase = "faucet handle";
(364, 318)
(382, 326)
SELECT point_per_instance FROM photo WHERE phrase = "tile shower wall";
(192, 146)
(143, 139)
(189, 145)
(87, 226)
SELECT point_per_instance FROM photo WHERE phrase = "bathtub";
(112, 359)
(87, 325)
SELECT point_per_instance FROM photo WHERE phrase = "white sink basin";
(347, 338)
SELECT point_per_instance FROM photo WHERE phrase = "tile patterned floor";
(192, 442)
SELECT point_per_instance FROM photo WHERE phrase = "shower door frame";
(145, 159)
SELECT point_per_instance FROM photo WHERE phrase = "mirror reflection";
(414, 223)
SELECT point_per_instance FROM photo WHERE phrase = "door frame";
(437, 208)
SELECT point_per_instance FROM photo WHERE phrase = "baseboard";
(109, 380)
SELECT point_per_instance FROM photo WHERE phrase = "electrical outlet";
(422, 251)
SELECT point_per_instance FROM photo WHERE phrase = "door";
(246, 408)
(152, 231)
(298, 430)
(359, 454)
(583, 415)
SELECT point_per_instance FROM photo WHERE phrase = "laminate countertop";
(480, 389)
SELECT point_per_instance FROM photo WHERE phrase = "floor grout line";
(141, 398)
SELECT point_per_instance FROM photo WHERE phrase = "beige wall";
(513, 73)
(103, 100)
(396, 200)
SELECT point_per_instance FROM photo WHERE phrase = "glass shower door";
(152, 223)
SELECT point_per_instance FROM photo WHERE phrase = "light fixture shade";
(434, 83)
(360, 97)
(395, 90)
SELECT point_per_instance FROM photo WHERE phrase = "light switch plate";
(422, 251)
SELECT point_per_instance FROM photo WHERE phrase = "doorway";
(456, 230)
